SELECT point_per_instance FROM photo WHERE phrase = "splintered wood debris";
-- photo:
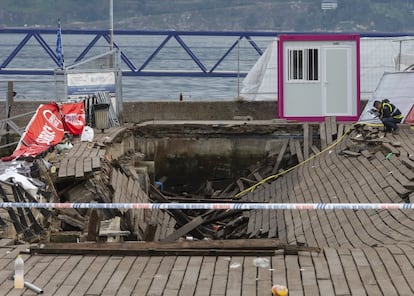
(117, 181)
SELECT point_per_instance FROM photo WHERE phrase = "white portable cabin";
(318, 76)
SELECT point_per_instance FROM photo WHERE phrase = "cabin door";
(336, 81)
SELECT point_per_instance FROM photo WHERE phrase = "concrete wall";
(205, 110)
(135, 112)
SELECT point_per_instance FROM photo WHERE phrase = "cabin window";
(303, 64)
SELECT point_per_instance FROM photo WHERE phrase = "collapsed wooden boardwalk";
(364, 252)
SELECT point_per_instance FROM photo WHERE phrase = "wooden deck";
(364, 252)
(381, 270)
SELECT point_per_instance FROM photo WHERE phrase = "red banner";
(73, 115)
(409, 119)
(45, 129)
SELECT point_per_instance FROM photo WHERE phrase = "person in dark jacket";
(389, 115)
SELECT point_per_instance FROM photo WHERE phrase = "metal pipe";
(33, 287)
(111, 24)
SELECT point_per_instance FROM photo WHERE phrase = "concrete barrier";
(139, 111)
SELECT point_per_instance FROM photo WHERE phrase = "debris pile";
(91, 172)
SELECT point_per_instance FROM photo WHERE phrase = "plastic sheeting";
(261, 81)
(398, 87)
(11, 174)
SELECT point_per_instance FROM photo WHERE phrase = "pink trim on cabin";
(319, 37)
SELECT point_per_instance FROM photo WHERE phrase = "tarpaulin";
(73, 115)
(398, 88)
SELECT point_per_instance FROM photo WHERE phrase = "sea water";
(172, 57)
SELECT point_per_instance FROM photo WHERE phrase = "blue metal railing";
(131, 68)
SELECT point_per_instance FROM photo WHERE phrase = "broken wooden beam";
(391, 148)
(280, 156)
(201, 248)
(351, 153)
(184, 229)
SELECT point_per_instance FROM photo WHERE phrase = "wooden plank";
(315, 149)
(394, 271)
(117, 278)
(306, 140)
(87, 164)
(367, 154)
(351, 153)
(264, 279)
(273, 214)
(355, 283)
(189, 282)
(328, 130)
(184, 229)
(255, 218)
(96, 161)
(408, 163)
(52, 268)
(205, 279)
(147, 276)
(62, 168)
(79, 169)
(70, 170)
(292, 147)
(75, 275)
(123, 186)
(131, 196)
(391, 148)
(382, 277)
(235, 276)
(299, 151)
(220, 276)
(266, 213)
(340, 130)
(336, 271)
(158, 285)
(113, 178)
(257, 176)
(334, 129)
(310, 283)
(249, 277)
(93, 225)
(406, 268)
(294, 278)
(142, 247)
(280, 156)
(177, 275)
(326, 288)
(116, 198)
(60, 276)
(164, 225)
(138, 266)
(240, 185)
(322, 135)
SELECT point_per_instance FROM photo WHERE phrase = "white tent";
(398, 87)
(261, 81)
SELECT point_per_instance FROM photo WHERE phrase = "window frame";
(301, 64)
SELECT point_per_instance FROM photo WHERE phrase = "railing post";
(9, 103)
